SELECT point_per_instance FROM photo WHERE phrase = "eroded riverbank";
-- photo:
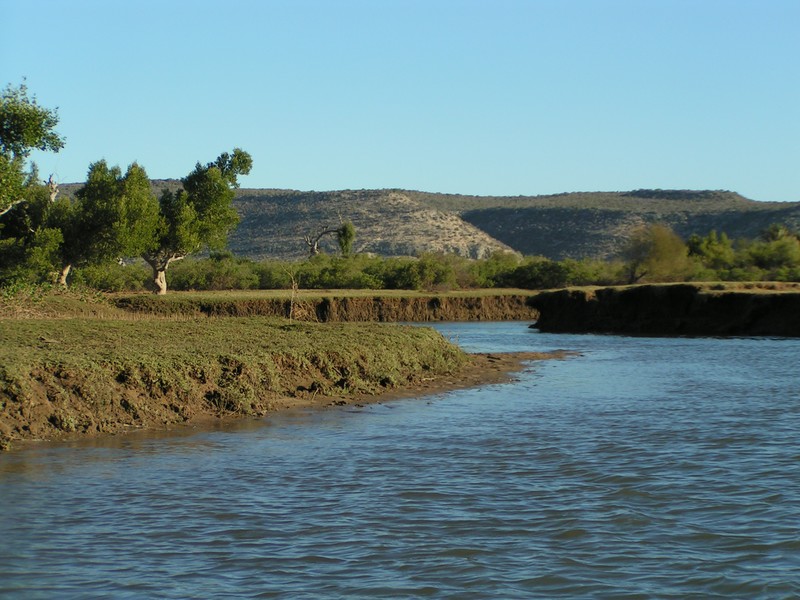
(94, 369)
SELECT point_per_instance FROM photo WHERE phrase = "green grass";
(113, 345)
(70, 362)
(61, 376)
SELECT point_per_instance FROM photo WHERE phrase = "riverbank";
(715, 309)
(73, 365)
(337, 306)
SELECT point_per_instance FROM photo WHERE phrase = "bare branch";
(12, 205)
(313, 241)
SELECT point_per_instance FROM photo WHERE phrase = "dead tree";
(53, 187)
(312, 241)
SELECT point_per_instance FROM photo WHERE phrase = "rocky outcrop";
(679, 309)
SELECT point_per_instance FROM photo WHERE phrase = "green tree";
(345, 236)
(24, 126)
(31, 240)
(715, 250)
(777, 249)
(495, 270)
(540, 273)
(114, 216)
(657, 253)
(197, 216)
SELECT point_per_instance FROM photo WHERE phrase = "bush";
(114, 277)
(494, 271)
(539, 273)
(273, 275)
(218, 272)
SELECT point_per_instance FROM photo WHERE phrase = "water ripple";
(642, 469)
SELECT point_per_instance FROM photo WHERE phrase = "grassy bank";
(77, 363)
(90, 375)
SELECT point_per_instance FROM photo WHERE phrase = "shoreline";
(75, 365)
(481, 369)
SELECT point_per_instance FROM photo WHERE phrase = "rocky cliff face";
(683, 309)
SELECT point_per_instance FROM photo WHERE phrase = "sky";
(482, 97)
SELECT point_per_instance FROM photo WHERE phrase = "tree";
(197, 216)
(657, 253)
(539, 273)
(114, 216)
(714, 250)
(345, 236)
(778, 248)
(31, 244)
(313, 240)
(24, 126)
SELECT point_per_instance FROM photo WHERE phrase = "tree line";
(116, 215)
(654, 254)
(113, 216)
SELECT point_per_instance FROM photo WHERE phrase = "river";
(642, 468)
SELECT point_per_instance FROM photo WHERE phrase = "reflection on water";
(643, 468)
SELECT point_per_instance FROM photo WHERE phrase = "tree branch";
(10, 206)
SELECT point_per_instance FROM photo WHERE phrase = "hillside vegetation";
(388, 223)
(408, 223)
(574, 225)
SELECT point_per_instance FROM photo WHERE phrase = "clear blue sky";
(487, 97)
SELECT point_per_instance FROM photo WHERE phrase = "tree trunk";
(160, 280)
(52, 186)
(62, 276)
(159, 264)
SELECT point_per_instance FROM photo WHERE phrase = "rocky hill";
(274, 223)
(576, 225)
(597, 224)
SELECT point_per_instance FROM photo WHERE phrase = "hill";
(401, 222)
(597, 224)
(388, 222)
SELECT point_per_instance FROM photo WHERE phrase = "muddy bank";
(672, 309)
(77, 376)
(512, 307)
(57, 408)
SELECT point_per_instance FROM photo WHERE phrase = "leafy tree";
(345, 236)
(115, 216)
(778, 249)
(657, 253)
(197, 216)
(113, 277)
(494, 271)
(24, 126)
(221, 271)
(715, 250)
(776, 232)
(31, 244)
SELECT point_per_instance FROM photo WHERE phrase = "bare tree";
(313, 240)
